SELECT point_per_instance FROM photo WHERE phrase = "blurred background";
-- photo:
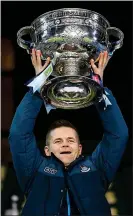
(16, 69)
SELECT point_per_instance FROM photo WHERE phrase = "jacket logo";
(50, 170)
(85, 169)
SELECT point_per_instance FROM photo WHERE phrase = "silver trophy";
(71, 37)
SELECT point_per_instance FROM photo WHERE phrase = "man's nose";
(65, 144)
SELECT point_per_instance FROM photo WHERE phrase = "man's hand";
(102, 62)
(37, 62)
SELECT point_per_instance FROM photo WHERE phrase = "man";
(65, 182)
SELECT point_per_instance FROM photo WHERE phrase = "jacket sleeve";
(108, 153)
(26, 156)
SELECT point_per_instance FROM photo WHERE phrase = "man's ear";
(80, 149)
(47, 151)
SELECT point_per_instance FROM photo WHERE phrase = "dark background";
(118, 77)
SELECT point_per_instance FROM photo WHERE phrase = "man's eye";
(57, 141)
(71, 141)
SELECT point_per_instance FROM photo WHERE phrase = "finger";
(38, 58)
(46, 63)
(33, 57)
(94, 67)
(97, 59)
(105, 58)
(101, 60)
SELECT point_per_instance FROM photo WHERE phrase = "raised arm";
(26, 156)
(108, 153)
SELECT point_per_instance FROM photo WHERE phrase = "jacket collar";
(70, 166)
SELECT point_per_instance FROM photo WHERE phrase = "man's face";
(64, 144)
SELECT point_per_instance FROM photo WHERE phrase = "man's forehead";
(63, 132)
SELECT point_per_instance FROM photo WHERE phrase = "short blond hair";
(58, 124)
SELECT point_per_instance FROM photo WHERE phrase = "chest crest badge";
(50, 170)
(85, 168)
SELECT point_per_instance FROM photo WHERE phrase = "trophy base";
(71, 92)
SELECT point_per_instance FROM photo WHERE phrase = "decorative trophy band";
(71, 37)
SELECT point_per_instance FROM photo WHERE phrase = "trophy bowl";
(71, 92)
(71, 36)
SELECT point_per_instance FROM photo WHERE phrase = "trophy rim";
(65, 9)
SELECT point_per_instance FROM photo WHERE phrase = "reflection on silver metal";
(71, 92)
(73, 36)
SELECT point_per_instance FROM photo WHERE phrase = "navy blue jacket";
(42, 178)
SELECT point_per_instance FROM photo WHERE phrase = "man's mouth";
(65, 152)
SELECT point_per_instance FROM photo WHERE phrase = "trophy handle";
(114, 37)
(26, 44)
